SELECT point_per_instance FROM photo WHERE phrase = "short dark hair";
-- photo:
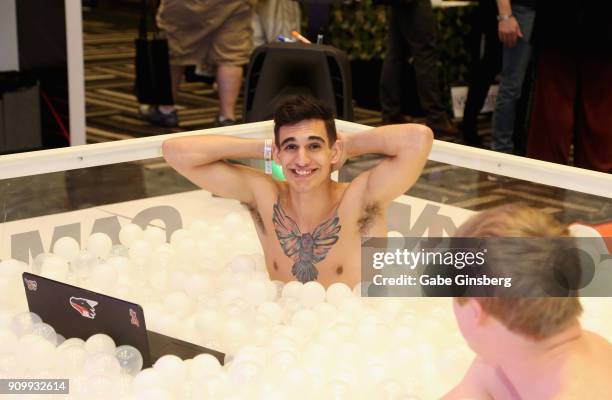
(300, 108)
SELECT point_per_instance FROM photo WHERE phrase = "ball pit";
(285, 341)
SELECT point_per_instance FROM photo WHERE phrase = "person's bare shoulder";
(475, 383)
(590, 371)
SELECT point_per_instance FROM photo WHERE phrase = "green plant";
(360, 29)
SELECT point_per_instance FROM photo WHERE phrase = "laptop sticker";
(31, 284)
(85, 307)
(134, 318)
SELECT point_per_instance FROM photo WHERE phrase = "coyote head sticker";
(85, 307)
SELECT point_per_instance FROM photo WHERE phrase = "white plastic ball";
(83, 263)
(101, 364)
(171, 368)
(313, 293)
(270, 312)
(232, 221)
(140, 251)
(59, 339)
(71, 359)
(242, 263)
(257, 291)
(55, 267)
(199, 284)
(99, 244)
(100, 343)
(67, 248)
(38, 262)
(199, 227)
(153, 393)
(203, 365)
(13, 268)
(22, 323)
(293, 289)
(72, 342)
(244, 373)
(336, 292)
(119, 250)
(178, 236)
(234, 333)
(129, 234)
(178, 303)
(45, 331)
(7, 341)
(155, 236)
(207, 320)
(121, 263)
(305, 320)
(130, 359)
(11, 293)
(104, 275)
(36, 351)
(145, 379)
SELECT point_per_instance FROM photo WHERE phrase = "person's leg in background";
(552, 118)
(593, 141)
(393, 67)
(419, 29)
(523, 111)
(514, 66)
(229, 79)
(483, 70)
(230, 48)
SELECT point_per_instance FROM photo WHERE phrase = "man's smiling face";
(305, 154)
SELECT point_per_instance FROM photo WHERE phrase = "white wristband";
(268, 155)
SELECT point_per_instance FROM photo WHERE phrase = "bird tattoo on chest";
(305, 249)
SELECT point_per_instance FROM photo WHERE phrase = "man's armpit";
(257, 219)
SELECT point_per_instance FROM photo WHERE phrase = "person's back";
(528, 346)
(587, 370)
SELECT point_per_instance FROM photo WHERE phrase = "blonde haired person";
(527, 348)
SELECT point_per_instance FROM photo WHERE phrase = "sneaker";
(156, 117)
(445, 128)
(226, 122)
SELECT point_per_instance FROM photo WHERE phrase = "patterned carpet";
(112, 115)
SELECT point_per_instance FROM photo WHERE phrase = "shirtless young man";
(527, 348)
(310, 227)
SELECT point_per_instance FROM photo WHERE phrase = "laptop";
(78, 312)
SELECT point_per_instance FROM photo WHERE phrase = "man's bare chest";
(328, 253)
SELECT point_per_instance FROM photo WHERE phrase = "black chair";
(278, 70)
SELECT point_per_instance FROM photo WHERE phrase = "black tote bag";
(153, 84)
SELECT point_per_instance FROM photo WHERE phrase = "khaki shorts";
(207, 32)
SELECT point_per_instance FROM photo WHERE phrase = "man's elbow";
(419, 137)
(425, 135)
(173, 153)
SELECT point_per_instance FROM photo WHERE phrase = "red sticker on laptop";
(85, 307)
(31, 284)
(134, 318)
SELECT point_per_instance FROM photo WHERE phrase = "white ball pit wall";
(208, 285)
